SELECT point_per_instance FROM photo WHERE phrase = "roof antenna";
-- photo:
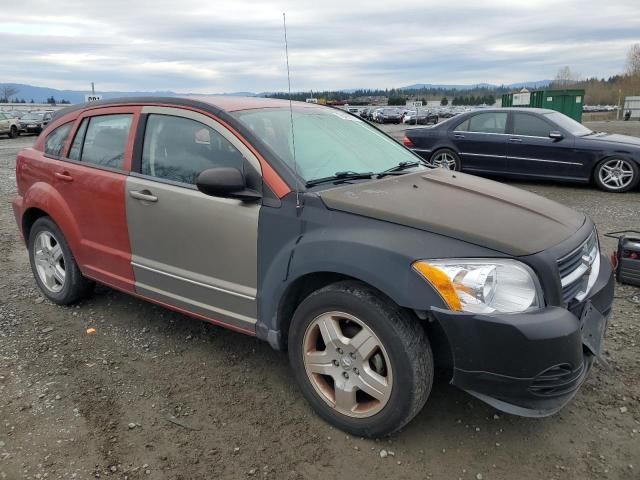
(293, 136)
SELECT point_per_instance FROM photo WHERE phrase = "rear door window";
(102, 140)
(490, 122)
(530, 125)
(463, 127)
(179, 149)
(54, 144)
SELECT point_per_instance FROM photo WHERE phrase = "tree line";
(473, 100)
(604, 91)
(396, 96)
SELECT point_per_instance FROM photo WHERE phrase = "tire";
(55, 257)
(13, 133)
(616, 175)
(446, 158)
(401, 360)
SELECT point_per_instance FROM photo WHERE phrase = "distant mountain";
(444, 86)
(41, 94)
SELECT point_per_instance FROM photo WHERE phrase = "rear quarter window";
(54, 144)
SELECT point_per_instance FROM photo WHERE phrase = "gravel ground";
(158, 395)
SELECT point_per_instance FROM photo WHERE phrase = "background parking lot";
(155, 394)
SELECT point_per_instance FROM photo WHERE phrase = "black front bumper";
(25, 129)
(529, 364)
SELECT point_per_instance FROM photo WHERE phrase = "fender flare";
(392, 275)
(44, 197)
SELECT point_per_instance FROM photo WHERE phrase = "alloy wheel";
(616, 174)
(444, 160)
(49, 261)
(347, 364)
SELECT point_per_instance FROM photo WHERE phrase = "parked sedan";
(9, 125)
(389, 115)
(530, 143)
(420, 118)
(330, 253)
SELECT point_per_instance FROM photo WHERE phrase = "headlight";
(483, 285)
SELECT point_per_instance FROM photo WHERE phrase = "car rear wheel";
(446, 158)
(13, 133)
(53, 265)
(616, 175)
(364, 364)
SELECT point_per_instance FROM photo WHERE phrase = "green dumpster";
(569, 102)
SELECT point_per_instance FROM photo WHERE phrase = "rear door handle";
(144, 195)
(64, 176)
(515, 140)
(458, 135)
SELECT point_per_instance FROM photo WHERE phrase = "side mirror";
(556, 135)
(225, 182)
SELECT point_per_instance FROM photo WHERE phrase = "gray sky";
(209, 46)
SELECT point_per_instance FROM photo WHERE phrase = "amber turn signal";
(440, 282)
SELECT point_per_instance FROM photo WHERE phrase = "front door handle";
(64, 176)
(144, 195)
(515, 140)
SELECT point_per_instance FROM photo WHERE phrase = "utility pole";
(619, 97)
(93, 89)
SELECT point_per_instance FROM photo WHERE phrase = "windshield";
(32, 116)
(568, 123)
(327, 141)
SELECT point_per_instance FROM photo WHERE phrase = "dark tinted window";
(490, 122)
(530, 125)
(464, 126)
(179, 149)
(55, 140)
(76, 147)
(103, 139)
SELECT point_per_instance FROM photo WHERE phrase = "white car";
(9, 125)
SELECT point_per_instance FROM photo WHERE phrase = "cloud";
(235, 45)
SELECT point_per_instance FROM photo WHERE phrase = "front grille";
(577, 268)
(557, 380)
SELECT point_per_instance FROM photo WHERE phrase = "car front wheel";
(364, 364)
(616, 175)
(13, 133)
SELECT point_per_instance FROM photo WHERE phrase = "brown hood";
(466, 207)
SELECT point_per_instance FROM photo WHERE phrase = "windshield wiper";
(339, 177)
(398, 168)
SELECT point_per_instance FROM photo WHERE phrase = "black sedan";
(530, 143)
(421, 118)
(389, 115)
